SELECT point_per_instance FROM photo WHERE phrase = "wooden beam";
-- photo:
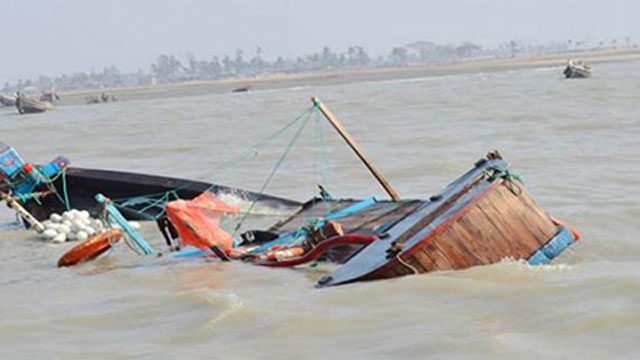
(333, 120)
(15, 205)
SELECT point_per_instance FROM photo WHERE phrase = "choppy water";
(575, 142)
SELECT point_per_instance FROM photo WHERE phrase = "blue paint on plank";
(554, 247)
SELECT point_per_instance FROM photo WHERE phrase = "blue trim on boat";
(562, 240)
(134, 234)
(353, 209)
(190, 253)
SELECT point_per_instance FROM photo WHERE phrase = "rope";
(313, 224)
(23, 198)
(322, 145)
(255, 149)
(273, 172)
(228, 164)
(67, 203)
(406, 264)
(510, 179)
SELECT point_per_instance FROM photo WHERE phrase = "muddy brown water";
(575, 142)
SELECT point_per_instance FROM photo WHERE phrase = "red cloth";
(198, 221)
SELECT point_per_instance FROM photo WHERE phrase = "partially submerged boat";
(576, 70)
(482, 217)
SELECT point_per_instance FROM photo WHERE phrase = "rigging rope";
(273, 172)
(126, 203)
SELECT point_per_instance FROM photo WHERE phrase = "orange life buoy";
(90, 248)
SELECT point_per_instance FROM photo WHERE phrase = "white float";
(74, 225)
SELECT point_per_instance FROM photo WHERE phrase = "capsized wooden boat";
(576, 70)
(484, 216)
(481, 218)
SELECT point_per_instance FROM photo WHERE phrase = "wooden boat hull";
(81, 185)
(476, 221)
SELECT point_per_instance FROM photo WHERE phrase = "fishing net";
(198, 221)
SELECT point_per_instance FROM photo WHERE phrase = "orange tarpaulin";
(198, 221)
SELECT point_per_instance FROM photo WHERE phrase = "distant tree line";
(171, 69)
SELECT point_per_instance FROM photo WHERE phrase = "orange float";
(90, 248)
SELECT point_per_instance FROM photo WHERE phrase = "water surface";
(575, 142)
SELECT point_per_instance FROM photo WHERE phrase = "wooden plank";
(484, 251)
(535, 208)
(540, 216)
(481, 235)
(507, 234)
(520, 216)
(15, 206)
(463, 247)
(489, 234)
(447, 242)
(369, 220)
(502, 218)
(456, 260)
(439, 260)
(425, 261)
(516, 215)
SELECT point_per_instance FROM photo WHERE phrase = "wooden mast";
(356, 148)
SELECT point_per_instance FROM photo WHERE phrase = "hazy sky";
(63, 36)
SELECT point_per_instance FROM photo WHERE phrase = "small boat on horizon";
(30, 105)
(7, 100)
(102, 98)
(576, 70)
(241, 89)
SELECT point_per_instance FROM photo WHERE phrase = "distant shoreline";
(276, 81)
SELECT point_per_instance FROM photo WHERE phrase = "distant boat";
(576, 70)
(241, 89)
(30, 105)
(7, 100)
(98, 99)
